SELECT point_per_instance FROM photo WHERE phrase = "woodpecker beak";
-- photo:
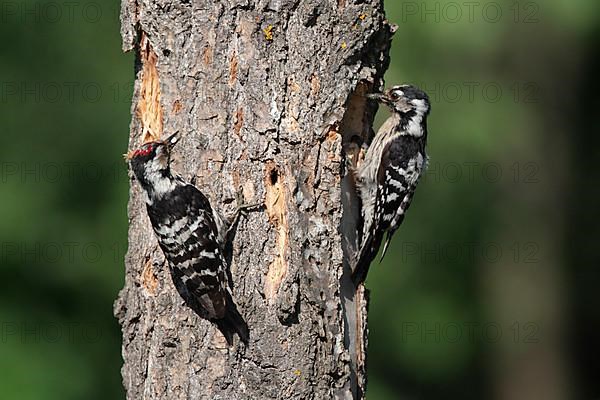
(381, 98)
(172, 140)
(375, 96)
(400, 104)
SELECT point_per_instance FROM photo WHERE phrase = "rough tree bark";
(267, 97)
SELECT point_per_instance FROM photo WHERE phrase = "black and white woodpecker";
(391, 169)
(191, 234)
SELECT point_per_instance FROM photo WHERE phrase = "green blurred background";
(489, 288)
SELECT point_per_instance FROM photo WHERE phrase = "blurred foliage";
(65, 117)
(507, 80)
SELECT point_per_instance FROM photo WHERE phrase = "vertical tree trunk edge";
(274, 89)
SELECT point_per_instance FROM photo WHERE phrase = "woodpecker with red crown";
(192, 236)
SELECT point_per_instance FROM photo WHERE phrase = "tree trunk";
(267, 98)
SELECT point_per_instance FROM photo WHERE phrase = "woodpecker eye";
(395, 95)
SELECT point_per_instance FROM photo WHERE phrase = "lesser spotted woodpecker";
(391, 170)
(191, 235)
